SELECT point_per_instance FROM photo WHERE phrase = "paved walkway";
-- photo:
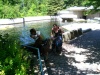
(81, 56)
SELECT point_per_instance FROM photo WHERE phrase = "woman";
(57, 38)
(56, 31)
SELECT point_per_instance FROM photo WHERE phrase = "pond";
(21, 31)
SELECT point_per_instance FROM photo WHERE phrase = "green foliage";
(54, 6)
(32, 8)
(69, 3)
(13, 12)
(94, 3)
(11, 2)
(13, 59)
(86, 3)
(22, 8)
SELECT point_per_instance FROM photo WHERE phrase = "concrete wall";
(78, 13)
(26, 19)
(90, 16)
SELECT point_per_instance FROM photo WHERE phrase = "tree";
(54, 6)
(94, 3)
(69, 3)
(12, 2)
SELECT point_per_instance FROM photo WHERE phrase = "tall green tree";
(12, 2)
(69, 3)
(54, 6)
(22, 8)
(94, 3)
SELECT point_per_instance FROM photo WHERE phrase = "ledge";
(25, 19)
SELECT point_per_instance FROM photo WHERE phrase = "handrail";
(41, 69)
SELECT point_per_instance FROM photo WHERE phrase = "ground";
(79, 56)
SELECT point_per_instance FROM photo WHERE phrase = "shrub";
(13, 59)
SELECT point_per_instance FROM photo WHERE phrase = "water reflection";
(23, 32)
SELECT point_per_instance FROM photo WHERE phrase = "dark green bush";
(13, 59)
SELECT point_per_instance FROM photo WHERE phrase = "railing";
(41, 68)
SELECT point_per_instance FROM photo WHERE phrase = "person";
(56, 36)
(56, 31)
(37, 37)
(40, 43)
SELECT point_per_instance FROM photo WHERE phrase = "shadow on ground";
(90, 41)
(60, 65)
(79, 57)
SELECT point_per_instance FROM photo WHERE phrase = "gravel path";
(81, 56)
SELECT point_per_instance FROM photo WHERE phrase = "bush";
(13, 59)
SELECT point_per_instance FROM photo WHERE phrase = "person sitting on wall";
(55, 31)
(40, 43)
(56, 35)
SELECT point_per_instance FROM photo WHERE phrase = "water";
(23, 33)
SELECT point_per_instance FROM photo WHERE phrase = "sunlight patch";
(87, 66)
(80, 58)
(6, 27)
(72, 48)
